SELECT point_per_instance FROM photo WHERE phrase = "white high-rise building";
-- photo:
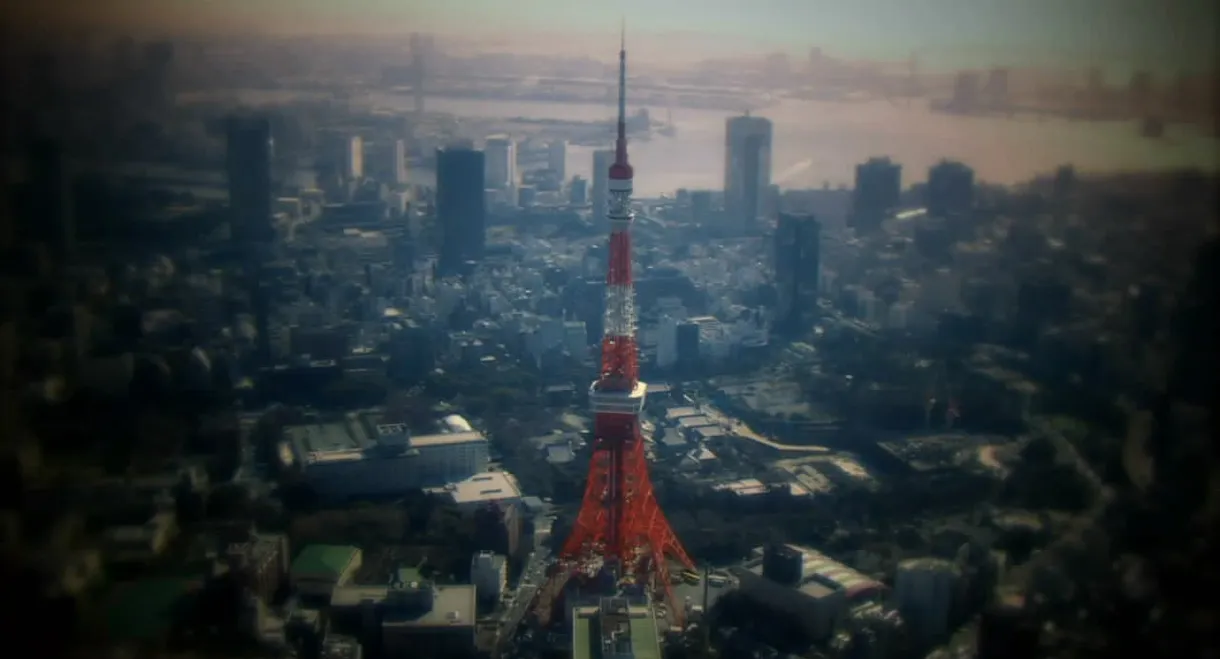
(399, 166)
(489, 574)
(602, 159)
(353, 158)
(500, 163)
(747, 168)
(557, 158)
(667, 343)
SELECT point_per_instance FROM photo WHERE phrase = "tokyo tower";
(620, 526)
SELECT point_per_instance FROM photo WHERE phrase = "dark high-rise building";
(747, 168)
(701, 206)
(687, 347)
(798, 252)
(578, 191)
(248, 167)
(950, 189)
(878, 186)
(461, 209)
(48, 217)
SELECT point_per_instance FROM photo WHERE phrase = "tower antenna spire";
(620, 143)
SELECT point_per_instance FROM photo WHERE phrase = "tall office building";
(248, 168)
(578, 191)
(557, 158)
(686, 347)
(353, 158)
(876, 195)
(747, 168)
(461, 210)
(950, 189)
(342, 156)
(500, 166)
(602, 159)
(701, 206)
(399, 163)
(798, 250)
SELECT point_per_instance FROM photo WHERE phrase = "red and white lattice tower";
(620, 524)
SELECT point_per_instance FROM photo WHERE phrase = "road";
(533, 576)
(1067, 450)
(745, 432)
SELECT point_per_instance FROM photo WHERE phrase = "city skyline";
(1124, 35)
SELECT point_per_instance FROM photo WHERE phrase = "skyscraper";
(557, 158)
(461, 211)
(747, 168)
(399, 171)
(950, 189)
(353, 158)
(248, 167)
(578, 191)
(500, 166)
(798, 260)
(602, 159)
(877, 191)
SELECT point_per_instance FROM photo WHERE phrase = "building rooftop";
(697, 421)
(325, 438)
(675, 413)
(452, 606)
(324, 561)
(445, 439)
(822, 575)
(633, 629)
(672, 438)
(485, 487)
(355, 595)
(744, 487)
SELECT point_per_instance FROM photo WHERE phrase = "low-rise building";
(359, 457)
(810, 589)
(615, 627)
(413, 619)
(499, 487)
(319, 569)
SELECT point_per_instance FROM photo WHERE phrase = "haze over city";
(542, 330)
(1166, 37)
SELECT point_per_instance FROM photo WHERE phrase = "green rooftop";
(408, 575)
(147, 610)
(323, 560)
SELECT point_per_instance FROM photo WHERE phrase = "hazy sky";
(1165, 35)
